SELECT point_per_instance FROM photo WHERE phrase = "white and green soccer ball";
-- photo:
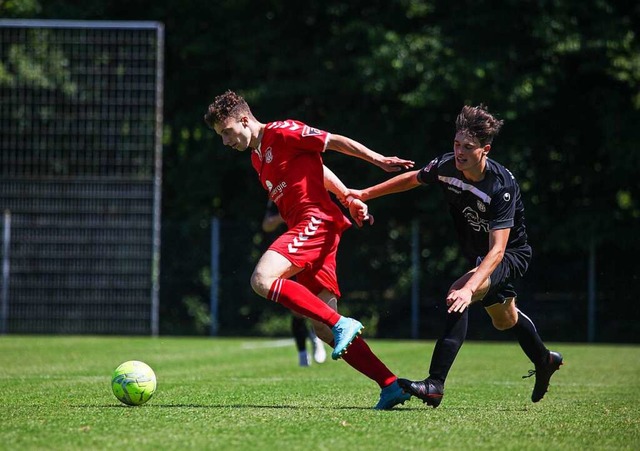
(133, 382)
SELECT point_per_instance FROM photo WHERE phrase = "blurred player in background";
(488, 214)
(287, 157)
(270, 223)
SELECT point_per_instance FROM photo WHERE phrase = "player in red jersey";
(287, 157)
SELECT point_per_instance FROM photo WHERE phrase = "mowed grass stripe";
(249, 393)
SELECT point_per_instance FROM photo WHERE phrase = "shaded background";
(565, 76)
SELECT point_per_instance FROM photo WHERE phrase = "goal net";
(80, 175)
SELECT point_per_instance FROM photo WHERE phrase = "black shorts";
(512, 267)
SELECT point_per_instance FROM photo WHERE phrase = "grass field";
(249, 394)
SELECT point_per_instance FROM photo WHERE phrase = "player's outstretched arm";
(351, 147)
(397, 184)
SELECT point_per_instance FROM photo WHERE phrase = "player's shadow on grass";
(232, 406)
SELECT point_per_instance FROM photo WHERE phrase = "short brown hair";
(224, 106)
(477, 122)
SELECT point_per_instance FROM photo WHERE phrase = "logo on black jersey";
(473, 218)
(506, 197)
(481, 206)
(310, 131)
(431, 164)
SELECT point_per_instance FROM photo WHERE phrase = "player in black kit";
(484, 201)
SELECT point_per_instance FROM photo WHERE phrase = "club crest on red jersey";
(310, 131)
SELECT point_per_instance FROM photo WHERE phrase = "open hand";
(459, 300)
(394, 164)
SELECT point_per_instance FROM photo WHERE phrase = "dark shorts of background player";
(513, 266)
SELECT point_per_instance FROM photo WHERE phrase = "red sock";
(361, 358)
(299, 299)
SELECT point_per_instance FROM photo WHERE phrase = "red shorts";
(312, 245)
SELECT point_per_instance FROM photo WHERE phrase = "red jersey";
(289, 165)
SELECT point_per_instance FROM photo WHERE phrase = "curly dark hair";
(224, 106)
(478, 123)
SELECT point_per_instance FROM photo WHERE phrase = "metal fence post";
(415, 277)
(6, 245)
(215, 273)
(591, 294)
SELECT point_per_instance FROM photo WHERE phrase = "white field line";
(284, 342)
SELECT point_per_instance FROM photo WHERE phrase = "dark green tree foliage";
(564, 74)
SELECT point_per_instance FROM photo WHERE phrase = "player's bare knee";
(503, 323)
(255, 285)
(260, 283)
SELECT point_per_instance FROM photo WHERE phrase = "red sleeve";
(300, 136)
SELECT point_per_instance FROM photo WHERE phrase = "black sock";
(529, 340)
(448, 345)
(300, 332)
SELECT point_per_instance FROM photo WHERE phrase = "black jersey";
(272, 209)
(477, 207)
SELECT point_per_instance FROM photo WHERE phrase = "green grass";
(236, 394)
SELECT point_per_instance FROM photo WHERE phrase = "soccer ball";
(133, 383)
